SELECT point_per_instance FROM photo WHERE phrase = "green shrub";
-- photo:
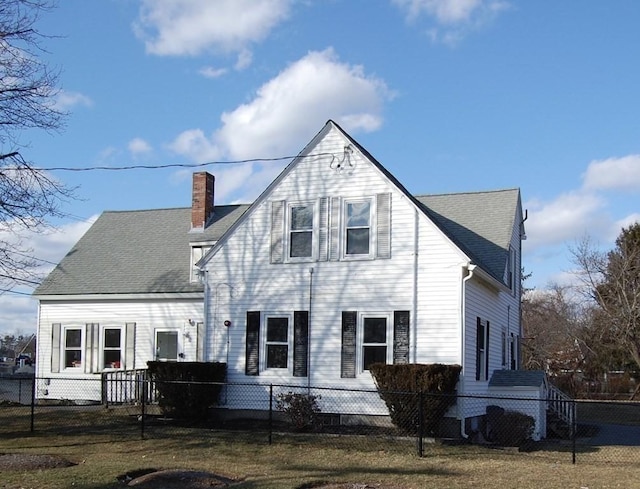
(402, 386)
(512, 429)
(187, 390)
(302, 409)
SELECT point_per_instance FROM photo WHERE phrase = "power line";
(179, 165)
(10, 291)
(18, 279)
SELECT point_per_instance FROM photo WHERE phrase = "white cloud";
(569, 215)
(138, 146)
(211, 72)
(190, 27)
(67, 100)
(195, 145)
(613, 174)
(290, 107)
(245, 58)
(18, 312)
(453, 19)
(285, 113)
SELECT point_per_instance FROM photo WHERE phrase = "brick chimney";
(201, 200)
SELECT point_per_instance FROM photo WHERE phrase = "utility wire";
(179, 165)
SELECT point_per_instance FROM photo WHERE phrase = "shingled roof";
(479, 223)
(136, 252)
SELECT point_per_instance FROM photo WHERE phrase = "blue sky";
(449, 95)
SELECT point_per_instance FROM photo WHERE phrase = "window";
(277, 342)
(374, 341)
(271, 346)
(513, 343)
(357, 228)
(112, 348)
(373, 338)
(197, 252)
(504, 348)
(72, 348)
(301, 231)
(167, 345)
(482, 350)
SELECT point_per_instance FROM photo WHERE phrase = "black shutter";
(348, 360)
(486, 352)
(400, 337)
(252, 360)
(300, 343)
(479, 334)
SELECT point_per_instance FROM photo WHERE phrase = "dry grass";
(295, 461)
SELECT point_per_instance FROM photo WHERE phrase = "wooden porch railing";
(127, 387)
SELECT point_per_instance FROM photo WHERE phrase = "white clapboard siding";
(422, 276)
(147, 315)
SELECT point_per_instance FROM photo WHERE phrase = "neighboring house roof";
(136, 252)
(517, 378)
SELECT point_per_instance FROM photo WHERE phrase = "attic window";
(197, 252)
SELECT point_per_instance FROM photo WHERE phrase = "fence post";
(420, 424)
(33, 403)
(142, 406)
(574, 428)
(270, 413)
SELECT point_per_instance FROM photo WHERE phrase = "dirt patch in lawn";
(175, 479)
(30, 461)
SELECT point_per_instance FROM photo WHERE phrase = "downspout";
(205, 312)
(414, 299)
(463, 323)
(309, 332)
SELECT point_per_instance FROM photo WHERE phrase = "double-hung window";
(72, 347)
(112, 348)
(357, 228)
(375, 340)
(301, 231)
(277, 342)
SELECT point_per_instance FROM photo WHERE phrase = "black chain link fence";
(130, 406)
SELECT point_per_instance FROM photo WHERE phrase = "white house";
(127, 293)
(335, 266)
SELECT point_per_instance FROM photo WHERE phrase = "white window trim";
(263, 342)
(372, 229)
(178, 332)
(360, 338)
(314, 232)
(194, 276)
(63, 346)
(103, 348)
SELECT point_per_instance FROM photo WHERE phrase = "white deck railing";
(562, 405)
